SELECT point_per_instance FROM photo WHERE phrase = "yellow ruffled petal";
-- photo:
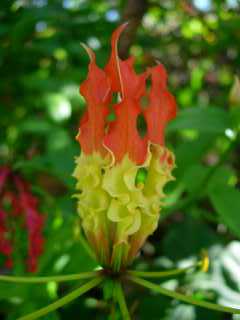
(89, 170)
(128, 219)
(96, 199)
(114, 181)
(159, 171)
(114, 207)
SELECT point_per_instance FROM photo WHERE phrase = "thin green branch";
(162, 274)
(61, 302)
(121, 301)
(182, 297)
(70, 277)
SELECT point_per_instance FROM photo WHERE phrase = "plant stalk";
(182, 297)
(122, 301)
(66, 299)
(70, 277)
(162, 274)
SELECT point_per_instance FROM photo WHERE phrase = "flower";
(17, 203)
(121, 171)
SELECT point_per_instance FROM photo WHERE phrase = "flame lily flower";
(118, 212)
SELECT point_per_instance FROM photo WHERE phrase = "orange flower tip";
(122, 27)
(116, 34)
(125, 24)
(89, 51)
(158, 62)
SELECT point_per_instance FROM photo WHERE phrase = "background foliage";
(42, 65)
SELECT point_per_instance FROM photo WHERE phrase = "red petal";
(162, 106)
(113, 68)
(121, 73)
(123, 137)
(133, 84)
(96, 91)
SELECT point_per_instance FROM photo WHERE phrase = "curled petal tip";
(125, 24)
(157, 61)
(113, 160)
(116, 34)
(122, 26)
(89, 51)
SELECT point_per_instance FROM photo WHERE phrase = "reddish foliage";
(15, 191)
(5, 243)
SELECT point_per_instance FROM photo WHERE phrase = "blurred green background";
(41, 67)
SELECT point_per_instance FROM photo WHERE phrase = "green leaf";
(211, 119)
(226, 201)
(35, 125)
(194, 177)
(197, 236)
(224, 175)
(154, 307)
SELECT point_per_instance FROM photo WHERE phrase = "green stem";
(61, 302)
(182, 297)
(162, 274)
(121, 301)
(70, 277)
